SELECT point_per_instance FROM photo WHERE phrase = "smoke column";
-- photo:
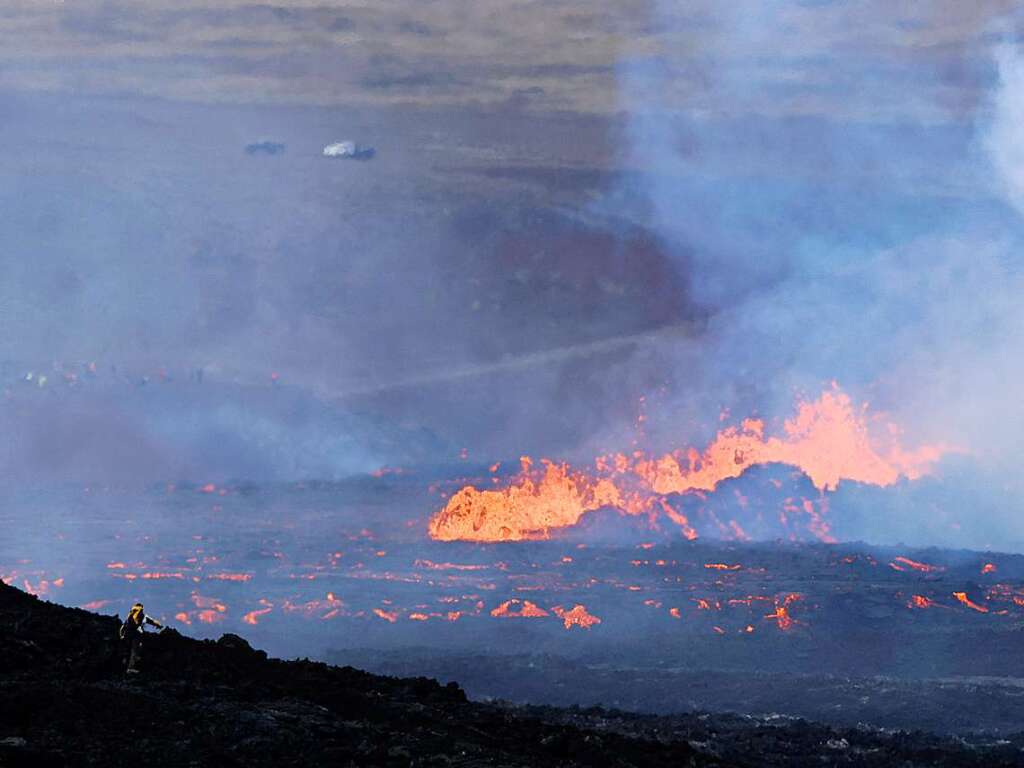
(884, 250)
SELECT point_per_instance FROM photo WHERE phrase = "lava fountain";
(828, 439)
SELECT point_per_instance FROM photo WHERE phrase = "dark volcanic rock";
(64, 701)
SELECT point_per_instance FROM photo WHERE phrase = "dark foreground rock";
(64, 701)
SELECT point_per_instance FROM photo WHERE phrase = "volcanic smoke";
(829, 440)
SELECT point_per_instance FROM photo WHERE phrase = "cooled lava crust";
(65, 702)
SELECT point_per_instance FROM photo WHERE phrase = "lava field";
(64, 701)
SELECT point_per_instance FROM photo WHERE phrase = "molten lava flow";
(230, 576)
(904, 563)
(526, 510)
(253, 617)
(828, 440)
(430, 565)
(515, 608)
(781, 612)
(389, 616)
(43, 587)
(577, 617)
(920, 601)
(962, 597)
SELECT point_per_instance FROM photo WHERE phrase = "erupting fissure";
(829, 440)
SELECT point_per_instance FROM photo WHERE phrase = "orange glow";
(905, 563)
(988, 568)
(781, 612)
(828, 439)
(95, 605)
(324, 609)
(577, 617)
(253, 617)
(43, 587)
(230, 576)
(183, 618)
(962, 597)
(722, 567)
(430, 565)
(516, 608)
(211, 605)
(389, 616)
(920, 601)
(674, 612)
(533, 504)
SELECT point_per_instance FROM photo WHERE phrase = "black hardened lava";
(64, 701)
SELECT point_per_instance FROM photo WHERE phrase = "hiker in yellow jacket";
(131, 637)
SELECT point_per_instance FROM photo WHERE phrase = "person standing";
(131, 634)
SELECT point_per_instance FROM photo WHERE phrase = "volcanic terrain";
(63, 701)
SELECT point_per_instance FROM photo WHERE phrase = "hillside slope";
(64, 701)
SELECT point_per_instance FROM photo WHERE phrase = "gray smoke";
(845, 239)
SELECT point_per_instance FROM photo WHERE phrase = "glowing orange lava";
(905, 563)
(253, 617)
(577, 617)
(230, 576)
(515, 608)
(781, 612)
(828, 440)
(962, 597)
